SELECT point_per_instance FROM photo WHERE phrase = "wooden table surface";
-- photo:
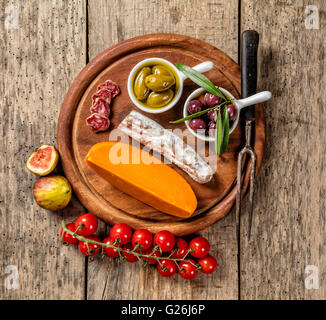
(44, 44)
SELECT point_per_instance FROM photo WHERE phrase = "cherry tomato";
(188, 269)
(142, 237)
(200, 247)
(129, 256)
(208, 264)
(150, 252)
(92, 249)
(122, 232)
(87, 224)
(170, 266)
(110, 252)
(68, 239)
(182, 248)
(165, 240)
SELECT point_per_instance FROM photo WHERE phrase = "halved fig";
(43, 160)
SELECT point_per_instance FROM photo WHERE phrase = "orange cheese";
(142, 176)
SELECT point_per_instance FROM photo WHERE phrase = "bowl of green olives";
(155, 85)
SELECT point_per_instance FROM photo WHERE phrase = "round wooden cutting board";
(75, 138)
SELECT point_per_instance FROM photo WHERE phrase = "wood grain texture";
(114, 21)
(289, 223)
(38, 62)
(215, 22)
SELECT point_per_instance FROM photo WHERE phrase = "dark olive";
(197, 124)
(159, 83)
(232, 112)
(211, 128)
(202, 99)
(159, 99)
(211, 115)
(194, 106)
(140, 89)
(211, 100)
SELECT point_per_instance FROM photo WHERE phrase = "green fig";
(52, 193)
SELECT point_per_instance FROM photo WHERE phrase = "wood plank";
(39, 60)
(289, 226)
(217, 23)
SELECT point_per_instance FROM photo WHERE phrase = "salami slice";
(100, 106)
(111, 86)
(98, 122)
(104, 94)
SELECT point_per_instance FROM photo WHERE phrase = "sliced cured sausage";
(153, 135)
(104, 94)
(100, 106)
(111, 86)
(98, 122)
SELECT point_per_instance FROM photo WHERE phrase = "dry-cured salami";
(153, 135)
(100, 106)
(104, 94)
(111, 86)
(98, 122)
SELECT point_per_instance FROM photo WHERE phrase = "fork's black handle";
(249, 48)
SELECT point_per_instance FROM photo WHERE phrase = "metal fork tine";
(238, 199)
(246, 150)
(251, 191)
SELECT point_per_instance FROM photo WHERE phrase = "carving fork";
(249, 46)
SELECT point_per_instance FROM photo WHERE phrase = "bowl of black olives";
(204, 126)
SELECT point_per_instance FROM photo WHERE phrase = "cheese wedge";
(144, 177)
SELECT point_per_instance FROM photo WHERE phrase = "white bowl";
(202, 67)
(238, 104)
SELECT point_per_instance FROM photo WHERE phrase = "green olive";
(159, 83)
(158, 100)
(161, 70)
(140, 89)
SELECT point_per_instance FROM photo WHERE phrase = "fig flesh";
(43, 160)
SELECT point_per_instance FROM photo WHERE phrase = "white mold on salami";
(154, 136)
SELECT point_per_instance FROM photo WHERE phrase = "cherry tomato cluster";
(170, 254)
